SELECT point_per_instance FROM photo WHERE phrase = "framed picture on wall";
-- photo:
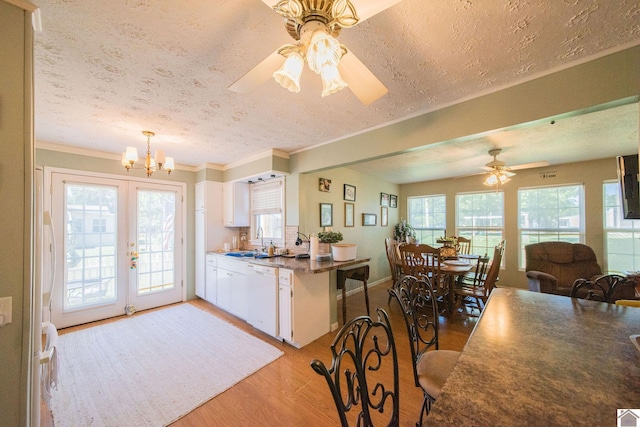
(369, 219)
(384, 199)
(384, 216)
(324, 185)
(350, 193)
(393, 201)
(326, 214)
(348, 214)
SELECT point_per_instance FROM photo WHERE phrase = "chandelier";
(159, 162)
(496, 178)
(322, 53)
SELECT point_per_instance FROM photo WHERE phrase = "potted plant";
(339, 251)
(404, 232)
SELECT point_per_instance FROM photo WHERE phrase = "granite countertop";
(540, 359)
(302, 265)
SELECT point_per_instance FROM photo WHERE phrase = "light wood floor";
(288, 392)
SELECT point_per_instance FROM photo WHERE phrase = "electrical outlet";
(5, 310)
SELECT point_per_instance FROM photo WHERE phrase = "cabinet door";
(239, 295)
(285, 312)
(211, 288)
(200, 227)
(223, 292)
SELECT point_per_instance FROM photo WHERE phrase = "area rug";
(151, 369)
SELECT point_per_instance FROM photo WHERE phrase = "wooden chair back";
(393, 256)
(463, 246)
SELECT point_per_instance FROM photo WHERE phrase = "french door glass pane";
(90, 243)
(156, 241)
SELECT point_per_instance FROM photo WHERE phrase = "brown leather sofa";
(552, 267)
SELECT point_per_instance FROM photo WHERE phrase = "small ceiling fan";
(499, 173)
(315, 25)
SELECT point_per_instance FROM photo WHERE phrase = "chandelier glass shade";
(151, 164)
(322, 53)
(496, 178)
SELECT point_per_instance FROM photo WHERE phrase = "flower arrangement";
(330, 236)
(402, 230)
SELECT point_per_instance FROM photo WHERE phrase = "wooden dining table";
(544, 360)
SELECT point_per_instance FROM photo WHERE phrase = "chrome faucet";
(260, 235)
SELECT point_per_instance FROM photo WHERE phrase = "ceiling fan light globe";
(503, 178)
(491, 180)
(323, 50)
(289, 74)
(331, 80)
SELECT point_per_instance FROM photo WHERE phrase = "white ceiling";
(105, 71)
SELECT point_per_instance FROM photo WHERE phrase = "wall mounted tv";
(629, 189)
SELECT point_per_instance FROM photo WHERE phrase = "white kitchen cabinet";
(211, 280)
(231, 292)
(236, 196)
(303, 306)
(210, 232)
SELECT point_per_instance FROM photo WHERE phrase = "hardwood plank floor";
(288, 392)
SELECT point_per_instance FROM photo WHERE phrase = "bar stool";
(358, 272)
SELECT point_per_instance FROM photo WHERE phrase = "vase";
(343, 251)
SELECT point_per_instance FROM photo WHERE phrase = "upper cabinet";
(236, 196)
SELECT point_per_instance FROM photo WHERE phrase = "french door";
(118, 246)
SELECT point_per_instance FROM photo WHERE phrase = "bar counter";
(539, 359)
(305, 265)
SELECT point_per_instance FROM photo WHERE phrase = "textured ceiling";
(105, 70)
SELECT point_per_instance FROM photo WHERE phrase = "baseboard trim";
(361, 288)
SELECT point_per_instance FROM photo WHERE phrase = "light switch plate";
(5, 309)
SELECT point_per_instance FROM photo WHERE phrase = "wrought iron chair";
(364, 359)
(431, 366)
(608, 288)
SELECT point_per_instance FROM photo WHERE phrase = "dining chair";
(463, 246)
(364, 359)
(607, 288)
(424, 261)
(393, 256)
(431, 366)
(484, 281)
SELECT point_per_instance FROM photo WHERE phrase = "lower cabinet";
(303, 306)
(231, 287)
(211, 281)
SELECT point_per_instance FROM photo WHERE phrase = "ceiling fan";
(499, 173)
(315, 25)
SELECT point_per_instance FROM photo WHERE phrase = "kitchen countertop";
(541, 360)
(302, 265)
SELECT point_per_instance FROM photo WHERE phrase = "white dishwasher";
(262, 298)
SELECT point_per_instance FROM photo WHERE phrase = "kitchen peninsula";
(302, 300)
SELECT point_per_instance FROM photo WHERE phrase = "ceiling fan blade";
(368, 8)
(361, 81)
(529, 165)
(259, 74)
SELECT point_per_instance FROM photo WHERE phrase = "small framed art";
(326, 214)
(393, 201)
(324, 185)
(369, 219)
(349, 193)
(384, 199)
(384, 216)
(348, 215)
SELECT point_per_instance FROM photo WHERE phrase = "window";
(550, 214)
(99, 225)
(267, 219)
(480, 217)
(428, 215)
(621, 236)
